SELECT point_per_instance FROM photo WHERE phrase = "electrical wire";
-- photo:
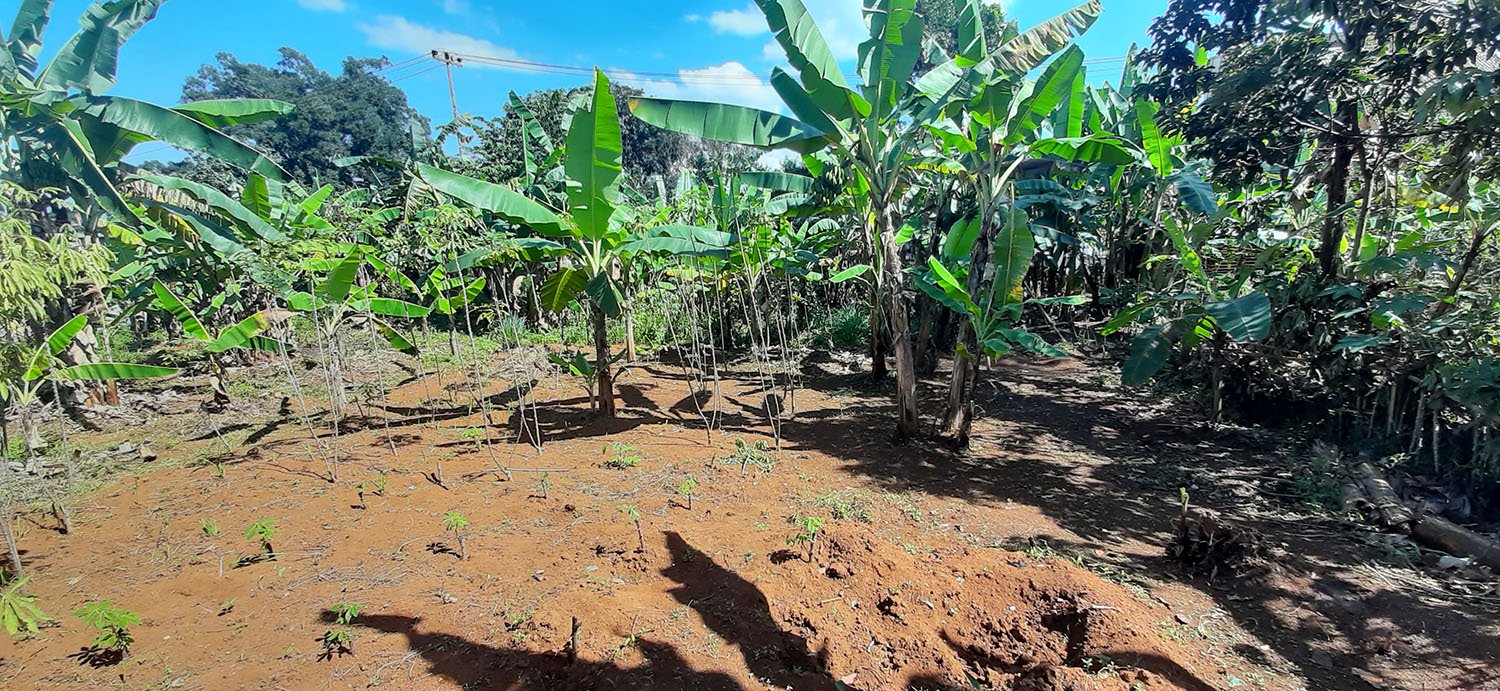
(685, 77)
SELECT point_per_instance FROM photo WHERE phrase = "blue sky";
(705, 49)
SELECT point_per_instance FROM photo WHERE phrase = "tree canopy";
(354, 113)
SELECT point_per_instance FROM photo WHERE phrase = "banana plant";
(43, 368)
(873, 128)
(60, 129)
(244, 334)
(590, 236)
(337, 302)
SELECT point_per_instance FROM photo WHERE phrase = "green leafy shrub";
(112, 624)
(19, 613)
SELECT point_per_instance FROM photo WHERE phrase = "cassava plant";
(113, 639)
(19, 613)
(454, 524)
(633, 514)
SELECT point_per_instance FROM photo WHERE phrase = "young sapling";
(262, 531)
(454, 524)
(378, 484)
(633, 513)
(544, 485)
(686, 489)
(808, 528)
(209, 526)
(113, 624)
(623, 457)
(339, 642)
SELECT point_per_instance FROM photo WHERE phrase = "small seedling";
(360, 488)
(209, 526)
(632, 513)
(622, 456)
(262, 531)
(470, 433)
(336, 643)
(757, 454)
(18, 611)
(113, 623)
(454, 523)
(544, 485)
(344, 613)
(226, 606)
(340, 641)
(378, 484)
(808, 528)
(686, 489)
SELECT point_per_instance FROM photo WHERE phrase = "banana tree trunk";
(968, 352)
(878, 368)
(603, 368)
(629, 316)
(908, 423)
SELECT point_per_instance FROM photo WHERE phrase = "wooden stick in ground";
(573, 641)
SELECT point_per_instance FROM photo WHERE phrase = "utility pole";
(450, 61)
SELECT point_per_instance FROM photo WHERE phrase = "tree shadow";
(1106, 467)
(473, 665)
(739, 613)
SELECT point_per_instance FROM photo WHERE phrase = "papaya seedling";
(686, 488)
(544, 485)
(378, 484)
(633, 514)
(113, 641)
(454, 524)
(209, 526)
(808, 528)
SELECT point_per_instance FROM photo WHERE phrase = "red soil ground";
(916, 586)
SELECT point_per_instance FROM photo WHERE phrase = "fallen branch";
(1457, 540)
(1393, 512)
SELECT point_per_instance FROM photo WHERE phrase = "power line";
(685, 77)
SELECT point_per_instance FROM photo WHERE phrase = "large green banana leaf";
(178, 129)
(496, 199)
(220, 113)
(593, 161)
(102, 371)
(727, 123)
(179, 311)
(240, 334)
(89, 59)
(220, 201)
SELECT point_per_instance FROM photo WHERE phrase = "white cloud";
(456, 6)
(324, 5)
(730, 82)
(742, 22)
(395, 33)
(773, 159)
(841, 22)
